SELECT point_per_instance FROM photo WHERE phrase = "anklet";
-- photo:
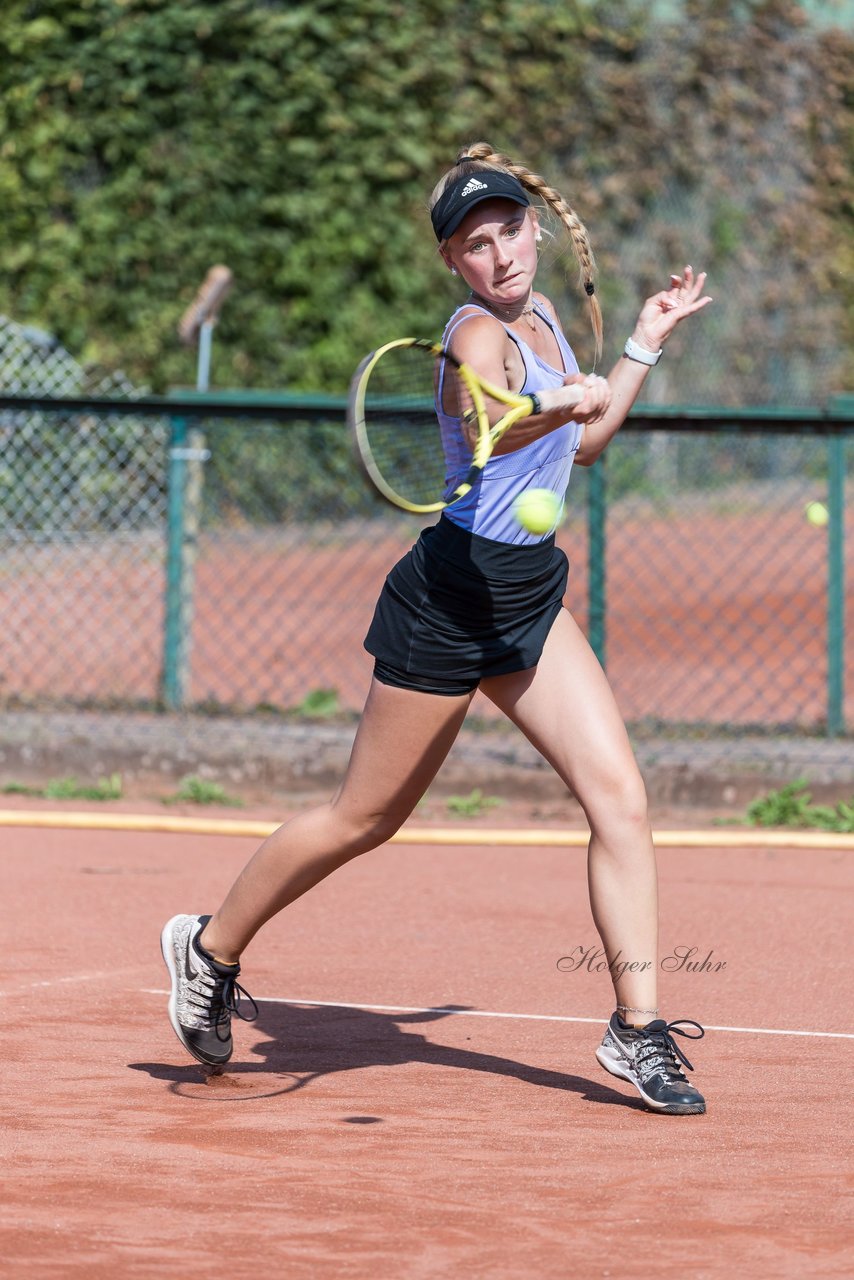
(627, 1008)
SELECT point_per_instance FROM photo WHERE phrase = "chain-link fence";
(151, 557)
(725, 604)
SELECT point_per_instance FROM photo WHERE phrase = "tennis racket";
(392, 412)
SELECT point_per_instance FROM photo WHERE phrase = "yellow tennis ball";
(817, 513)
(538, 510)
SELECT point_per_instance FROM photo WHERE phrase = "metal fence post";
(836, 584)
(596, 514)
(174, 637)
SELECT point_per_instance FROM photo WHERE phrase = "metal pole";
(203, 373)
(836, 584)
(596, 515)
(187, 455)
(174, 642)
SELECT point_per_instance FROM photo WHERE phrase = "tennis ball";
(817, 513)
(538, 510)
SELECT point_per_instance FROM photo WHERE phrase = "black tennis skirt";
(459, 607)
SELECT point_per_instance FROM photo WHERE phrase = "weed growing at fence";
(319, 704)
(195, 790)
(70, 789)
(792, 806)
(472, 805)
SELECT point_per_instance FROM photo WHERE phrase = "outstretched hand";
(662, 312)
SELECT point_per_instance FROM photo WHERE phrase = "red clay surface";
(365, 1143)
(712, 617)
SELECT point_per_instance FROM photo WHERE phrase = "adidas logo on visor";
(471, 186)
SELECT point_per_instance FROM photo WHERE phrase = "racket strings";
(401, 425)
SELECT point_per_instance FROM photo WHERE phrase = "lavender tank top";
(544, 464)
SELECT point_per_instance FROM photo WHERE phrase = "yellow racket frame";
(487, 436)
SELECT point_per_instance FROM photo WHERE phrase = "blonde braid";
(482, 154)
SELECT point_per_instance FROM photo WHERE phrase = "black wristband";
(535, 401)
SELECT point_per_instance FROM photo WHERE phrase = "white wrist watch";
(634, 352)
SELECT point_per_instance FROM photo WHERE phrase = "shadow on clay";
(307, 1042)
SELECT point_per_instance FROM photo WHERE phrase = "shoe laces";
(232, 995)
(658, 1052)
(222, 998)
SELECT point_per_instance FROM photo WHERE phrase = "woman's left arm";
(659, 316)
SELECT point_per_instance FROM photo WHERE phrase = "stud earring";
(539, 236)
(454, 271)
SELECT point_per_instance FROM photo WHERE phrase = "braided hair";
(481, 155)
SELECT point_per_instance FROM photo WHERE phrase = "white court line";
(533, 1017)
(55, 982)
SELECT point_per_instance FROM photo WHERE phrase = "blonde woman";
(477, 603)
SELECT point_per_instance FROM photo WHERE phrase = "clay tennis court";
(419, 1096)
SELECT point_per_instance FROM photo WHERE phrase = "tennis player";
(478, 604)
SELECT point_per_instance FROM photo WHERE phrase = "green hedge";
(143, 140)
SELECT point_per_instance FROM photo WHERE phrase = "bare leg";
(565, 707)
(402, 740)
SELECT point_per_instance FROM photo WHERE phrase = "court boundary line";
(512, 837)
(491, 1013)
(24, 988)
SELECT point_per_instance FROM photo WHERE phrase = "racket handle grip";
(558, 398)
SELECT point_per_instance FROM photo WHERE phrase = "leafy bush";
(296, 140)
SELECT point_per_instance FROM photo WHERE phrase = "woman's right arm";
(482, 343)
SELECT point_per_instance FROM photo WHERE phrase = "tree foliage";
(297, 141)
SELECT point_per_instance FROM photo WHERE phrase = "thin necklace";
(527, 312)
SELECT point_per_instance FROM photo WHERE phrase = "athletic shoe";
(205, 993)
(649, 1057)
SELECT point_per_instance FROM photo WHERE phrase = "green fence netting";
(227, 556)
